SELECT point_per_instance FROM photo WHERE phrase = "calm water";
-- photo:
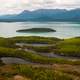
(63, 29)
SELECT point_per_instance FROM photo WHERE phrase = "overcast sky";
(16, 6)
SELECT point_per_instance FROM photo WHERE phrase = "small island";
(37, 30)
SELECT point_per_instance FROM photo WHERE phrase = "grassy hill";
(41, 67)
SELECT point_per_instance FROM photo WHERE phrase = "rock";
(19, 77)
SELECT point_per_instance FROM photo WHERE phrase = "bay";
(63, 29)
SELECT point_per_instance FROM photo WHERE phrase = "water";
(12, 60)
(63, 29)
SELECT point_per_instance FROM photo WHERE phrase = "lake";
(63, 29)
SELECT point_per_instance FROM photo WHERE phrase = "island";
(37, 30)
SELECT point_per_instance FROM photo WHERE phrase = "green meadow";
(41, 67)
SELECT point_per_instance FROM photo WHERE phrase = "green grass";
(34, 57)
(38, 73)
(69, 47)
(35, 39)
(41, 49)
(66, 47)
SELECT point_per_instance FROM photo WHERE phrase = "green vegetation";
(40, 49)
(39, 73)
(55, 72)
(31, 56)
(69, 47)
(35, 39)
(37, 30)
(48, 68)
(4, 42)
(8, 48)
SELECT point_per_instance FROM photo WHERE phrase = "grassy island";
(37, 30)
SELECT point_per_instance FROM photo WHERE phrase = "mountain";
(44, 15)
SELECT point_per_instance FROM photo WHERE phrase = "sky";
(16, 6)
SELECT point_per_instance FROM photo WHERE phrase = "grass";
(63, 47)
(60, 69)
(28, 55)
(55, 72)
(35, 39)
(40, 49)
(9, 52)
(69, 47)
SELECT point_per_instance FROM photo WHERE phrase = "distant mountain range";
(44, 15)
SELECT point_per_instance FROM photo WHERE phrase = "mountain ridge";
(44, 15)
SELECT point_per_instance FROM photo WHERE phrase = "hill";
(44, 15)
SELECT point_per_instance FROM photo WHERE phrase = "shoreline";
(37, 36)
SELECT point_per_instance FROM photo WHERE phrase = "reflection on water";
(64, 29)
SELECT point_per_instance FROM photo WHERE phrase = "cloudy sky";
(16, 6)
